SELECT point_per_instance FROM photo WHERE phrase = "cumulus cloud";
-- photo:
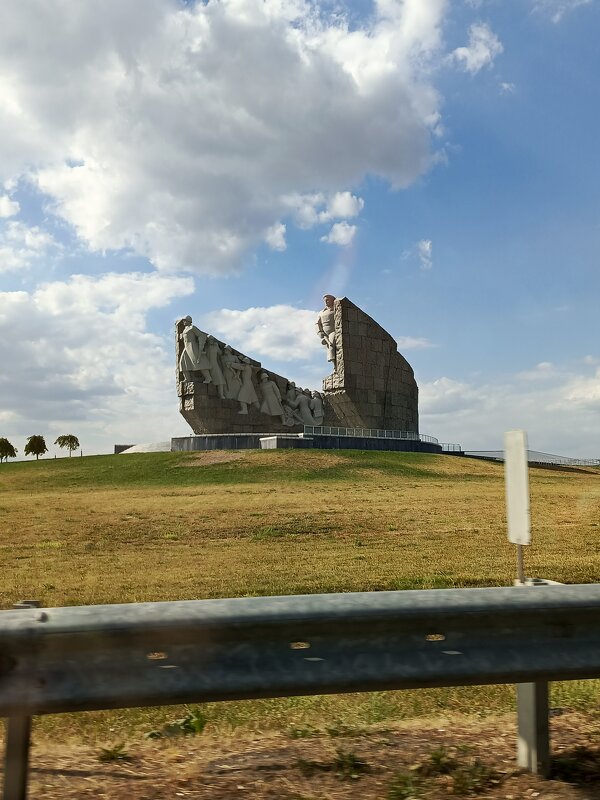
(144, 136)
(81, 355)
(583, 392)
(445, 395)
(22, 245)
(413, 343)
(482, 49)
(560, 412)
(316, 208)
(275, 237)
(8, 207)
(342, 205)
(341, 234)
(425, 253)
(280, 332)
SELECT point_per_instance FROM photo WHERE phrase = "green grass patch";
(184, 470)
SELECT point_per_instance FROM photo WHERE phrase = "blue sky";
(436, 162)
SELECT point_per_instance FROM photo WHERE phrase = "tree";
(6, 450)
(68, 440)
(36, 446)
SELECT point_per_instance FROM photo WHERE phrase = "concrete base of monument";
(275, 441)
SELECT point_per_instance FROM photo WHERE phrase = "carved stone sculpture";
(193, 358)
(247, 395)
(325, 327)
(233, 382)
(213, 352)
(316, 406)
(271, 395)
(301, 405)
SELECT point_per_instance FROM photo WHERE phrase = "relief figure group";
(232, 375)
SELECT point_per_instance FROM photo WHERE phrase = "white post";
(516, 476)
(533, 748)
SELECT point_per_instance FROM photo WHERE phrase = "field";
(167, 526)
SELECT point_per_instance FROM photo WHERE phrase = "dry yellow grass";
(370, 529)
(348, 765)
(135, 528)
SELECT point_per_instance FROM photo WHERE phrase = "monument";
(224, 392)
(372, 384)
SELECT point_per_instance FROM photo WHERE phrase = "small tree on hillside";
(36, 446)
(6, 450)
(68, 440)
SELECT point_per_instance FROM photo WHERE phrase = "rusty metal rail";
(55, 660)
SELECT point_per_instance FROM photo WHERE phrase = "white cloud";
(316, 208)
(506, 87)
(341, 233)
(583, 392)
(561, 413)
(556, 9)
(281, 332)
(22, 245)
(482, 49)
(82, 358)
(275, 237)
(8, 207)
(144, 136)
(542, 371)
(425, 253)
(413, 343)
(448, 396)
(342, 205)
(305, 208)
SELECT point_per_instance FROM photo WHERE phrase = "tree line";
(36, 446)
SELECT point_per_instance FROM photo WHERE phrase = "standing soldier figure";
(325, 327)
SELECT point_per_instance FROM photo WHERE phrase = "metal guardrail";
(368, 433)
(536, 457)
(98, 657)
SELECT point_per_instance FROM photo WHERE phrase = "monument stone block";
(372, 386)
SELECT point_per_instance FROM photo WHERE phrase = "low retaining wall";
(218, 441)
(324, 442)
(271, 441)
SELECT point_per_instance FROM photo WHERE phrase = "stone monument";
(372, 384)
(224, 391)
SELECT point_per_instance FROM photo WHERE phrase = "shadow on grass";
(579, 766)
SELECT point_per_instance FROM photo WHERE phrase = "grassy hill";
(163, 526)
(167, 526)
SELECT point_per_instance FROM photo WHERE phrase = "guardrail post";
(533, 749)
(18, 738)
(18, 733)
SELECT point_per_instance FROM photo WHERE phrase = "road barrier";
(55, 660)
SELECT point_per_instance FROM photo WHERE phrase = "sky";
(435, 161)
